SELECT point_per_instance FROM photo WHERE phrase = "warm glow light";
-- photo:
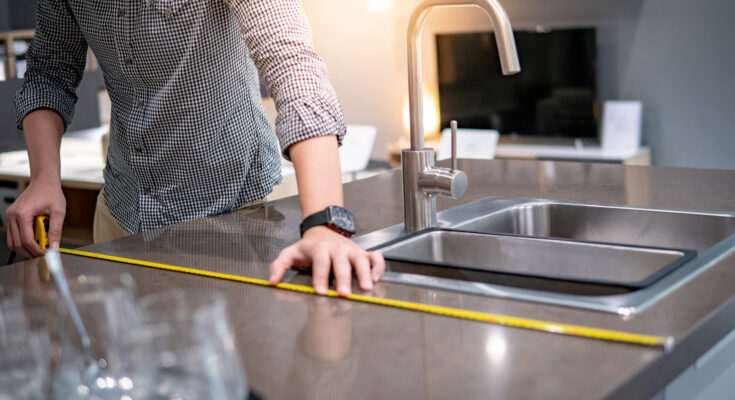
(431, 113)
(378, 5)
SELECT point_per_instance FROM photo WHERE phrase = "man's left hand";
(325, 250)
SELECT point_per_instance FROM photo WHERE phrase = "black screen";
(554, 95)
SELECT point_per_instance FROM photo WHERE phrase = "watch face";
(342, 219)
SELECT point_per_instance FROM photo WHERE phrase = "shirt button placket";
(142, 159)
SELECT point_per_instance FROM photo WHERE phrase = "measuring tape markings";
(538, 325)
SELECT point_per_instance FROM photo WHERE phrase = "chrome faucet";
(422, 181)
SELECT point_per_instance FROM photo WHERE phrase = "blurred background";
(672, 55)
(639, 82)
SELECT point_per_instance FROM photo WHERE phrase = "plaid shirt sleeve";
(278, 35)
(56, 60)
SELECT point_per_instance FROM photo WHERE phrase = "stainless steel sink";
(578, 261)
(710, 234)
(610, 224)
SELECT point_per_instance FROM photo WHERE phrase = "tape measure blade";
(518, 322)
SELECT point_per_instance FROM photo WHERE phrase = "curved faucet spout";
(503, 35)
(421, 180)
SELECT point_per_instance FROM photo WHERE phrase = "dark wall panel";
(86, 115)
(22, 14)
(4, 15)
(10, 137)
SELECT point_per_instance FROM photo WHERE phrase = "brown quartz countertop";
(304, 346)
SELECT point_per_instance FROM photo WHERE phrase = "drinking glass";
(105, 369)
(24, 349)
(24, 367)
(194, 346)
(12, 316)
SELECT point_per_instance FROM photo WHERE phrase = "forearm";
(318, 173)
(319, 179)
(43, 129)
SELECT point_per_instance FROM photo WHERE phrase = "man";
(188, 132)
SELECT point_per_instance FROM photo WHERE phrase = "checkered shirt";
(189, 137)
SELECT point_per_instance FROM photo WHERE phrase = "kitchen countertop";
(303, 346)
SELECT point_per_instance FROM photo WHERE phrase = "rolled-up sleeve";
(56, 60)
(278, 35)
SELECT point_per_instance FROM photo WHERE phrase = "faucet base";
(419, 208)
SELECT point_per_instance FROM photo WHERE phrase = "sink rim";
(445, 217)
(626, 304)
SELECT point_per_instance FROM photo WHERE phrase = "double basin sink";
(601, 257)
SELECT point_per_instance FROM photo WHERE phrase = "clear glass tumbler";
(24, 349)
(12, 316)
(193, 342)
(24, 368)
(104, 369)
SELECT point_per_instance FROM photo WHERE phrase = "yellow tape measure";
(538, 325)
(40, 231)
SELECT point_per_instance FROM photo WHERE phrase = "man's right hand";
(43, 129)
(40, 198)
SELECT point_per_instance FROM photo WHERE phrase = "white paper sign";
(621, 126)
(471, 143)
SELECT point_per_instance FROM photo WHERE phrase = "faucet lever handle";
(453, 127)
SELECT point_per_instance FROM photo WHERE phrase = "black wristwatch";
(335, 218)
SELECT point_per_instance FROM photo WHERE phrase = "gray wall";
(17, 14)
(11, 138)
(681, 63)
(674, 55)
(4, 13)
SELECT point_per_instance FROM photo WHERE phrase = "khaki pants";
(106, 228)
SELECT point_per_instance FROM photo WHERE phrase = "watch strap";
(335, 218)
(316, 219)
